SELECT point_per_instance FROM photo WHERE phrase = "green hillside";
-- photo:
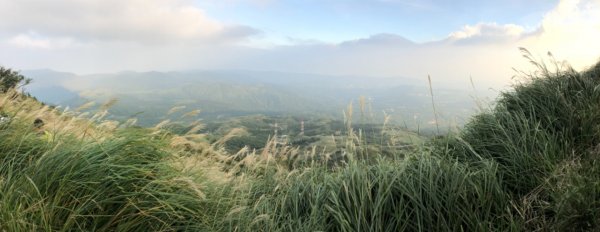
(529, 163)
(229, 94)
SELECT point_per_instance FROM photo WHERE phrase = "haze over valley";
(299, 115)
(227, 93)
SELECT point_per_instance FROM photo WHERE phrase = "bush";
(11, 79)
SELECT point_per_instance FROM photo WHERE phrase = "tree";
(11, 79)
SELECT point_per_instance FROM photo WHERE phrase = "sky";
(452, 41)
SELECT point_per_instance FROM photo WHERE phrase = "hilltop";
(530, 162)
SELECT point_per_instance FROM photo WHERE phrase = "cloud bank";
(110, 35)
(115, 20)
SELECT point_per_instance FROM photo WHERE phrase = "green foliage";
(121, 184)
(318, 133)
(529, 163)
(531, 133)
(574, 193)
(11, 79)
(524, 165)
(420, 193)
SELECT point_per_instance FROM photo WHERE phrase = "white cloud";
(34, 41)
(485, 51)
(486, 33)
(26, 41)
(131, 20)
(571, 31)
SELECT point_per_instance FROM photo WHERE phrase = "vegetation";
(10, 79)
(319, 132)
(528, 163)
(149, 96)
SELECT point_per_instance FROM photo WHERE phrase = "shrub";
(11, 79)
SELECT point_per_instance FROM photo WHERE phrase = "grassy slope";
(529, 163)
(106, 180)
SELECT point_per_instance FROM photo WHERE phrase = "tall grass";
(124, 182)
(518, 166)
(419, 193)
(528, 163)
(551, 119)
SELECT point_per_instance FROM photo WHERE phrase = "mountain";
(49, 86)
(225, 93)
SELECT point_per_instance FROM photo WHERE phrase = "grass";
(530, 163)
(532, 133)
(124, 182)
(418, 193)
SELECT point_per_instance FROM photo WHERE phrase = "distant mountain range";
(225, 93)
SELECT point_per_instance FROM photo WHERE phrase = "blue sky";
(340, 20)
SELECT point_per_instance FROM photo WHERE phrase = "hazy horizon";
(299, 115)
(452, 42)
